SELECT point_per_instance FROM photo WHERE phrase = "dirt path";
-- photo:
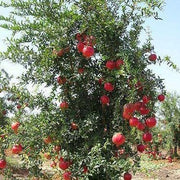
(151, 170)
(169, 171)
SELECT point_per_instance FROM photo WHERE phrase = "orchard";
(94, 111)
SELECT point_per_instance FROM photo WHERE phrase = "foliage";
(170, 121)
(44, 40)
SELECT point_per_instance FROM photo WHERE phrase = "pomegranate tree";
(94, 96)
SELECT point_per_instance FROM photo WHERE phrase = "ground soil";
(169, 171)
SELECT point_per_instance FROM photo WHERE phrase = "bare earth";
(164, 171)
(170, 171)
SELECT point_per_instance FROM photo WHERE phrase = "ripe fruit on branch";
(133, 122)
(118, 139)
(127, 176)
(104, 99)
(144, 110)
(16, 149)
(2, 163)
(64, 105)
(67, 175)
(63, 164)
(138, 105)
(81, 70)
(151, 122)
(161, 97)
(119, 63)
(15, 126)
(78, 37)
(147, 137)
(110, 65)
(152, 57)
(74, 126)
(127, 115)
(108, 86)
(140, 148)
(129, 108)
(61, 80)
(140, 126)
(85, 169)
(80, 46)
(88, 51)
(18, 106)
(145, 99)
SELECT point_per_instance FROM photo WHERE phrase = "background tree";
(98, 99)
(170, 121)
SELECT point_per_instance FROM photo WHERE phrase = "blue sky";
(166, 39)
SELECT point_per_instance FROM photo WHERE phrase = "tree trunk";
(175, 150)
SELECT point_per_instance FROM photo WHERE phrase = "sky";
(166, 40)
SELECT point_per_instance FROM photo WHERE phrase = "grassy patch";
(148, 167)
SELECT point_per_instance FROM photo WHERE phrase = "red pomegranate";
(127, 115)
(152, 57)
(18, 106)
(147, 137)
(105, 99)
(16, 149)
(88, 51)
(140, 126)
(151, 122)
(108, 87)
(110, 65)
(74, 126)
(2, 164)
(80, 46)
(133, 121)
(129, 108)
(127, 176)
(119, 63)
(85, 169)
(78, 36)
(64, 105)
(144, 110)
(81, 70)
(67, 175)
(138, 105)
(63, 164)
(145, 99)
(161, 97)
(118, 139)
(140, 148)
(15, 126)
